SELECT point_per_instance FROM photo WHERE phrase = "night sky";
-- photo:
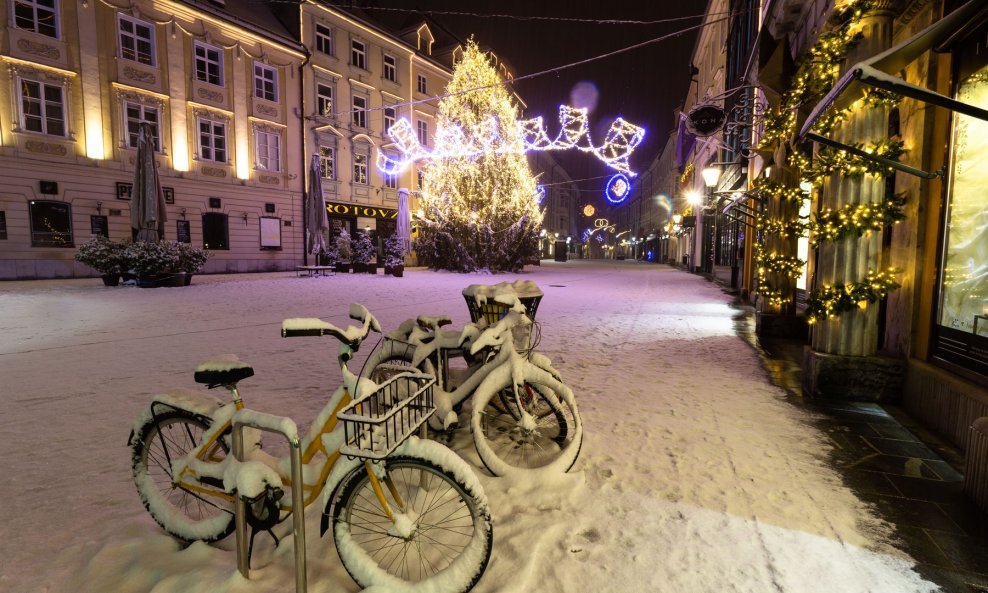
(644, 85)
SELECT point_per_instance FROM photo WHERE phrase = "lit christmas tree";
(480, 212)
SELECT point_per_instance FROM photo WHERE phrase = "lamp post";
(711, 175)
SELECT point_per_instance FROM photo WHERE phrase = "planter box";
(162, 280)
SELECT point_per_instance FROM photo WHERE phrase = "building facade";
(219, 89)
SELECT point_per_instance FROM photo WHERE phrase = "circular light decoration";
(618, 188)
(539, 194)
(588, 210)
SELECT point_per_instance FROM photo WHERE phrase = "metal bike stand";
(298, 504)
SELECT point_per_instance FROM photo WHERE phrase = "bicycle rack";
(298, 504)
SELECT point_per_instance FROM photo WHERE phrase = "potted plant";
(191, 259)
(363, 252)
(155, 263)
(104, 256)
(394, 256)
(344, 252)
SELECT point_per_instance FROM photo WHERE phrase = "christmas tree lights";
(478, 210)
(856, 220)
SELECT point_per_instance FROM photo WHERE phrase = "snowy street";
(696, 475)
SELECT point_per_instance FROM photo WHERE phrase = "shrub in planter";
(363, 251)
(394, 256)
(103, 255)
(344, 251)
(191, 259)
(152, 259)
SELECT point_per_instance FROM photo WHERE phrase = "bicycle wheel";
(442, 540)
(537, 427)
(183, 514)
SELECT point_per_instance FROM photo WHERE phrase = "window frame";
(36, 241)
(422, 84)
(196, 46)
(389, 71)
(43, 105)
(262, 158)
(133, 133)
(321, 99)
(358, 55)
(261, 82)
(359, 116)
(212, 134)
(151, 41)
(393, 117)
(36, 19)
(224, 242)
(422, 131)
(360, 169)
(330, 158)
(325, 40)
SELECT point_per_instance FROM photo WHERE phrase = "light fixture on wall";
(99, 208)
(244, 216)
(183, 213)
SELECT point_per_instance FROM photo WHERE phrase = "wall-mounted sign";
(338, 209)
(124, 191)
(184, 231)
(705, 120)
(98, 225)
(270, 232)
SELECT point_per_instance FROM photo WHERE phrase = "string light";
(488, 136)
(830, 301)
(618, 188)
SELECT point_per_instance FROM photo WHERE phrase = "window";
(136, 40)
(324, 40)
(137, 113)
(390, 181)
(358, 54)
(39, 16)
(421, 84)
(360, 112)
(268, 150)
(423, 127)
(327, 162)
(265, 82)
(324, 99)
(51, 224)
(215, 231)
(212, 140)
(389, 118)
(209, 64)
(42, 108)
(359, 168)
(390, 68)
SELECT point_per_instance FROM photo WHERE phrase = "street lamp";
(711, 175)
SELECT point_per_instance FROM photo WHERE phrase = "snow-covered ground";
(696, 475)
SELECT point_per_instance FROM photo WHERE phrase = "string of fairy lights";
(814, 77)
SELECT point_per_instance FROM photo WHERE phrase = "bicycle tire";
(184, 515)
(552, 438)
(449, 555)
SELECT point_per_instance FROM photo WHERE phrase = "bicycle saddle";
(223, 370)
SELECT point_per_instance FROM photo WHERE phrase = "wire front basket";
(376, 424)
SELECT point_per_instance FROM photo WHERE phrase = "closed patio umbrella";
(147, 200)
(404, 229)
(316, 220)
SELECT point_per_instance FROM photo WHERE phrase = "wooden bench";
(314, 270)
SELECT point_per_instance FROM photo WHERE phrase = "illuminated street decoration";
(539, 194)
(617, 189)
(589, 210)
(452, 142)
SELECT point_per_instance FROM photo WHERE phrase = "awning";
(879, 70)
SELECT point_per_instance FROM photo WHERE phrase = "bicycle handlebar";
(352, 336)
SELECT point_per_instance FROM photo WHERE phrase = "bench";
(314, 270)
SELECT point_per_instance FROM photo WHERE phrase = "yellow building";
(220, 90)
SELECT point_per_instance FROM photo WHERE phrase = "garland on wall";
(814, 77)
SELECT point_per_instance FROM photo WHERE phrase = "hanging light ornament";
(617, 189)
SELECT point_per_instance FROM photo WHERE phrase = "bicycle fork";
(379, 491)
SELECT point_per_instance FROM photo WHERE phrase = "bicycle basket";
(492, 311)
(376, 424)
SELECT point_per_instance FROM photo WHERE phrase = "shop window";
(962, 332)
(51, 224)
(215, 231)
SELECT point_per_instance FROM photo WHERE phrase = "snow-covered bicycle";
(402, 509)
(523, 417)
